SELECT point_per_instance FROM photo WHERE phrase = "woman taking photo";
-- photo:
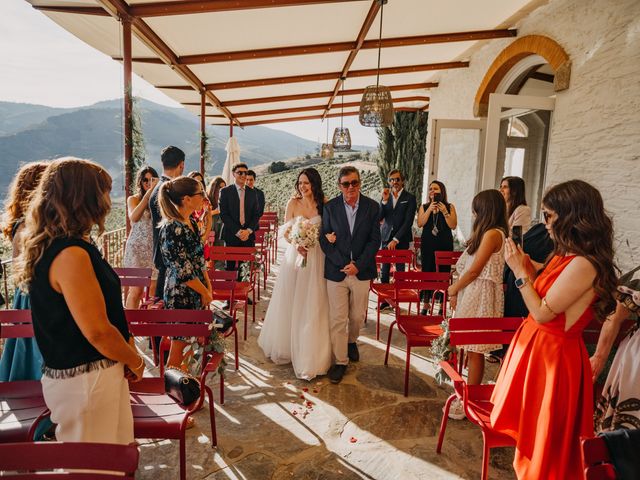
(76, 305)
(138, 252)
(187, 284)
(21, 359)
(512, 189)
(477, 292)
(544, 395)
(437, 218)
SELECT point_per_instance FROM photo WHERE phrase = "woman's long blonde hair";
(70, 200)
(172, 194)
(20, 193)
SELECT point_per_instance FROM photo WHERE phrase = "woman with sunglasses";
(543, 398)
(138, 251)
(187, 284)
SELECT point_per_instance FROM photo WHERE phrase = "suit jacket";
(261, 203)
(399, 220)
(156, 218)
(360, 246)
(230, 212)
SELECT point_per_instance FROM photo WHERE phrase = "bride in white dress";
(296, 326)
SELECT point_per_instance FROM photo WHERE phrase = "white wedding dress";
(296, 326)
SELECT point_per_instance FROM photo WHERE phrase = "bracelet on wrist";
(141, 365)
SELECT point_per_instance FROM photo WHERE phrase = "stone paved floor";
(274, 426)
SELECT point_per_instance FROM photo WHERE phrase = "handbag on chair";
(181, 386)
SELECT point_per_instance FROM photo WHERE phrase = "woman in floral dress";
(478, 293)
(187, 284)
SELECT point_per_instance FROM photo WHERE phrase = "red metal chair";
(243, 290)
(223, 285)
(135, 277)
(476, 399)
(385, 292)
(156, 414)
(21, 402)
(444, 257)
(417, 242)
(35, 461)
(272, 218)
(596, 460)
(264, 251)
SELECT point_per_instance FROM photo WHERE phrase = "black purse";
(222, 321)
(181, 386)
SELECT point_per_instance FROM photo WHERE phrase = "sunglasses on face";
(394, 180)
(241, 172)
(546, 216)
(147, 180)
(201, 193)
(352, 183)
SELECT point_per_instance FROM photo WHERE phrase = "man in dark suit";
(239, 212)
(251, 181)
(172, 159)
(397, 211)
(350, 239)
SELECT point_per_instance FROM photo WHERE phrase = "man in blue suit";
(350, 239)
(397, 211)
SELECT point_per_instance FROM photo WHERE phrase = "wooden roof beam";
(364, 30)
(119, 9)
(79, 10)
(319, 117)
(329, 76)
(308, 108)
(189, 7)
(307, 96)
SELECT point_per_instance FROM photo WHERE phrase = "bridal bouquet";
(304, 233)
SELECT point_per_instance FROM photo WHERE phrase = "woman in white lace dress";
(296, 326)
(138, 252)
(478, 292)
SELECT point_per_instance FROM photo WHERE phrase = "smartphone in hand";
(516, 235)
(437, 198)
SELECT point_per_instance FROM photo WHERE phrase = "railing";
(113, 246)
(8, 287)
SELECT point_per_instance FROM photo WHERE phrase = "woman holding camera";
(437, 218)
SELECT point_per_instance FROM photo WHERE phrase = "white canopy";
(265, 61)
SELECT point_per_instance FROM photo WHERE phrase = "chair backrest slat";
(16, 324)
(445, 257)
(421, 280)
(394, 256)
(483, 331)
(133, 272)
(189, 323)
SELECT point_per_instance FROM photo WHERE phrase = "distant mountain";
(35, 132)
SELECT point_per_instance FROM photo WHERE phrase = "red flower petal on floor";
(309, 404)
(302, 397)
(315, 391)
(294, 412)
(305, 389)
(353, 439)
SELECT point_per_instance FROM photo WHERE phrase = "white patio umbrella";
(233, 158)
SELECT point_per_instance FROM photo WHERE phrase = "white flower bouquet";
(304, 233)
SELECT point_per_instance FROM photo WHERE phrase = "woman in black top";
(78, 319)
(437, 218)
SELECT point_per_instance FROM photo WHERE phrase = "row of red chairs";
(155, 413)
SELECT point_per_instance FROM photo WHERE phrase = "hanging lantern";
(341, 139)
(376, 106)
(341, 135)
(326, 151)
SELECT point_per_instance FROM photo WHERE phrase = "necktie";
(242, 207)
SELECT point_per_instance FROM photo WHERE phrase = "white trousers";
(91, 407)
(348, 302)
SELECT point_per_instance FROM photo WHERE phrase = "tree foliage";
(403, 146)
(138, 157)
(276, 167)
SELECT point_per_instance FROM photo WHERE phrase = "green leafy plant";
(194, 350)
(442, 351)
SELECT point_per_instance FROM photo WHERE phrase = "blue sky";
(44, 64)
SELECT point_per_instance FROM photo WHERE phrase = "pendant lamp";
(326, 150)
(376, 106)
(341, 135)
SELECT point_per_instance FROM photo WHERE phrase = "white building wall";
(595, 134)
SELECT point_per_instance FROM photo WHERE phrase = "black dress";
(442, 241)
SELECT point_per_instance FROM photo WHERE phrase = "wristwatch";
(521, 282)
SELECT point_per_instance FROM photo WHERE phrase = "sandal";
(191, 422)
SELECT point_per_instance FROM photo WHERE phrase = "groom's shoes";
(336, 373)
(352, 352)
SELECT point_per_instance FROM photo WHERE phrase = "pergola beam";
(368, 21)
(319, 117)
(119, 9)
(190, 7)
(307, 96)
(326, 76)
(97, 11)
(308, 108)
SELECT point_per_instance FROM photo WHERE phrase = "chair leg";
(246, 319)
(253, 307)
(183, 456)
(406, 371)
(386, 355)
(212, 418)
(378, 320)
(443, 423)
(235, 341)
(222, 389)
(485, 458)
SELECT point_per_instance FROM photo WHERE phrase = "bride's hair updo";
(316, 187)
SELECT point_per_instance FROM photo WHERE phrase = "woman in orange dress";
(544, 394)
